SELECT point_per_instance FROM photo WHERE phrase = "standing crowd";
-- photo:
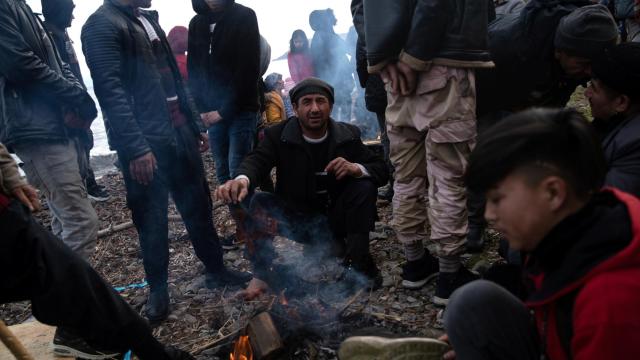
(468, 97)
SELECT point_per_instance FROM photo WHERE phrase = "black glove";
(87, 109)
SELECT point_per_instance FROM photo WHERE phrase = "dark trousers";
(181, 173)
(64, 290)
(384, 139)
(486, 322)
(346, 224)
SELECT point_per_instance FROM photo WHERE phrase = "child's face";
(522, 212)
(298, 43)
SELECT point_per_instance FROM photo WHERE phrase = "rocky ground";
(205, 321)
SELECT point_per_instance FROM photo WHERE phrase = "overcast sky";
(277, 18)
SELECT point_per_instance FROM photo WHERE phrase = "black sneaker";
(449, 282)
(417, 273)
(157, 308)
(229, 242)
(476, 239)
(386, 193)
(226, 277)
(66, 344)
(98, 193)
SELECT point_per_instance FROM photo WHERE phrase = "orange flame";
(242, 349)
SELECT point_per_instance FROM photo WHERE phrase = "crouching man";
(326, 186)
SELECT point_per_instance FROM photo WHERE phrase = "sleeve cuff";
(365, 172)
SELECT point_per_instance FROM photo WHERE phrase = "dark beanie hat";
(619, 68)
(53, 10)
(586, 31)
(311, 86)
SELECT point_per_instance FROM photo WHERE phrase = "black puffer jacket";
(35, 85)
(224, 67)
(445, 32)
(526, 73)
(284, 148)
(128, 83)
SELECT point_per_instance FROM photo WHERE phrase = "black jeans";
(346, 224)
(486, 322)
(64, 290)
(180, 172)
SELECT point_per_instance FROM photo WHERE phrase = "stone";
(411, 299)
(378, 236)
(387, 281)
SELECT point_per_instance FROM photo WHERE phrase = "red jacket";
(181, 59)
(588, 306)
(300, 66)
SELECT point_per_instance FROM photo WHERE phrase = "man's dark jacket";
(444, 32)
(285, 149)
(61, 39)
(224, 67)
(375, 95)
(127, 80)
(35, 85)
(526, 72)
(622, 152)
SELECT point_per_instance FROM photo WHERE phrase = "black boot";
(476, 239)
(360, 262)
(157, 306)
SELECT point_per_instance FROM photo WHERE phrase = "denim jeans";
(231, 139)
(181, 172)
(486, 322)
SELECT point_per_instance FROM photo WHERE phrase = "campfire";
(242, 349)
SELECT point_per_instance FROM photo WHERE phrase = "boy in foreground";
(541, 172)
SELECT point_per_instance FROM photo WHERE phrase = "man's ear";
(622, 104)
(555, 190)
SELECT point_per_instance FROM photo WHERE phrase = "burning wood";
(264, 337)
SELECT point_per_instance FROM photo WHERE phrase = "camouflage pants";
(431, 134)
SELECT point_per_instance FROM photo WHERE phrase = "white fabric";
(148, 28)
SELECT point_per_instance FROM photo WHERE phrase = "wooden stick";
(112, 229)
(13, 344)
(350, 301)
(213, 343)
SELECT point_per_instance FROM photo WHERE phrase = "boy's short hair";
(540, 142)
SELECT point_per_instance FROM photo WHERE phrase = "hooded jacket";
(224, 66)
(444, 32)
(127, 80)
(35, 84)
(586, 282)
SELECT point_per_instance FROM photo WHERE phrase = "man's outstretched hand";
(255, 288)
(233, 191)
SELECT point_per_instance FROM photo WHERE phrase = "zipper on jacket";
(543, 341)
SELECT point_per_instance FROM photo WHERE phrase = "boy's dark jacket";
(284, 147)
(586, 282)
(227, 80)
(127, 80)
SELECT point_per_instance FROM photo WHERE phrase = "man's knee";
(359, 191)
(472, 298)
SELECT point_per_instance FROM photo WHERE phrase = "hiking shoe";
(226, 277)
(373, 347)
(98, 193)
(157, 308)
(417, 273)
(448, 282)
(66, 344)
(476, 239)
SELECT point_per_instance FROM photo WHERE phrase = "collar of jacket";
(584, 244)
(620, 122)
(292, 133)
